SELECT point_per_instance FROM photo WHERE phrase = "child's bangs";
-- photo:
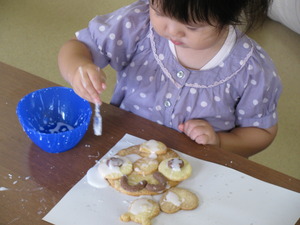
(185, 11)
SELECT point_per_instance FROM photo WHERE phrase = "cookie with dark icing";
(145, 177)
(115, 167)
(175, 169)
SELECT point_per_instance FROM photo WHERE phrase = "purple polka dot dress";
(242, 91)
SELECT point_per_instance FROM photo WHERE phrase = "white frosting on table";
(95, 179)
(96, 175)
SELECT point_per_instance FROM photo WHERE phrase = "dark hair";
(232, 12)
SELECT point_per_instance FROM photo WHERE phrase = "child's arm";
(245, 141)
(77, 67)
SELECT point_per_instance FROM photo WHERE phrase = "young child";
(183, 64)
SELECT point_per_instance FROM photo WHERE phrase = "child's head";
(214, 12)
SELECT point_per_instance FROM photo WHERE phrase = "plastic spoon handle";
(97, 121)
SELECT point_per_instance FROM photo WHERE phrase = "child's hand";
(200, 131)
(89, 82)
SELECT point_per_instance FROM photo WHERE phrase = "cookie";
(115, 167)
(153, 148)
(145, 166)
(145, 178)
(130, 150)
(176, 169)
(176, 199)
(141, 211)
(169, 154)
(136, 184)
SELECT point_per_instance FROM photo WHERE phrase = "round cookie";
(176, 169)
(135, 149)
(153, 148)
(145, 166)
(115, 167)
(176, 199)
(141, 211)
(169, 154)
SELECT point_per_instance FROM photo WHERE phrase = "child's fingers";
(89, 91)
(98, 79)
(192, 127)
(202, 139)
(200, 131)
(82, 92)
(181, 127)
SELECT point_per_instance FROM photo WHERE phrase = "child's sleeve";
(113, 38)
(257, 106)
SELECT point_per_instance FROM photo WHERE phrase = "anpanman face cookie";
(135, 170)
(150, 168)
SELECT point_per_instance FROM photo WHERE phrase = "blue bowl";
(54, 118)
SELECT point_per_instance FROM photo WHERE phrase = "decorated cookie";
(115, 167)
(135, 149)
(141, 211)
(145, 166)
(153, 148)
(169, 154)
(136, 184)
(177, 199)
(176, 169)
(136, 170)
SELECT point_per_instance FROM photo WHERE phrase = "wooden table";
(32, 181)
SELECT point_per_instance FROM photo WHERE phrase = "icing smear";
(140, 206)
(176, 164)
(96, 175)
(95, 179)
(153, 146)
(173, 198)
(133, 157)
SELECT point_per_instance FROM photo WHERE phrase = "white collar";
(221, 55)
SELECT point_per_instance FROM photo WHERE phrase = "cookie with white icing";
(153, 148)
(115, 167)
(176, 169)
(145, 178)
(145, 166)
(176, 199)
(141, 211)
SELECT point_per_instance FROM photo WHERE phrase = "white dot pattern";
(217, 98)
(193, 91)
(242, 90)
(204, 104)
(102, 28)
(128, 25)
(112, 36)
